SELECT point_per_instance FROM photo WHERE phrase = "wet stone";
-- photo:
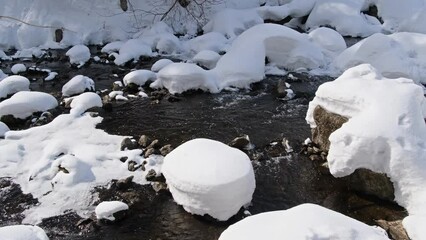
(143, 141)
(240, 142)
(124, 184)
(132, 166)
(166, 149)
(152, 176)
(149, 152)
(128, 144)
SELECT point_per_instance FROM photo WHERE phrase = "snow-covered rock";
(212, 41)
(3, 129)
(345, 16)
(77, 85)
(18, 68)
(22, 232)
(395, 55)
(132, 50)
(13, 84)
(385, 133)
(24, 104)
(112, 47)
(303, 222)
(209, 177)
(160, 64)
(106, 209)
(79, 54)
(328, 39)
(3, 56)
(180, 77)
(206, 58)
(139, 77)
(85, 101)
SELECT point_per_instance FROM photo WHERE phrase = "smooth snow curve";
(77, 85)
(107, 209)
(13, 84)
(24, 104)
(22, 232)
(78, 54)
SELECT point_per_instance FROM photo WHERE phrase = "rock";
(152, 176)
(131, 166)
(116, 86)
(131, 88)
(281, 88)
(143, 141)
(128, 144)
(123, 5)
(154, 144)
(124, 184)
(166, 149)
(395, 229)
(371, 183)
(148, 152)
(59, 35)
(159, 186)
(123, 159)
(327, 123)
(240, 142)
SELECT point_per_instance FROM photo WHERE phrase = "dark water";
(283, 180)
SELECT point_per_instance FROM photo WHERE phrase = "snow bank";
(85, 101)
(3, 129)
(395, 55)
(160, 64)
(206, 58)
(79, 54)
(329, 40)
(132, 50)
(24, 104)
(18, 68)
(295, 9)
(13, 84)
(395, 15)
(345, 16)
(106, 209)
(22, 232)
(209, 177)
(244, 63)
(180, 77)
(139, 77)
(77, 85)
(303, 222)
(112, 47)
(212, 41)
(385, 133)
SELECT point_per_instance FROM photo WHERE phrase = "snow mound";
(106, 209)
(77, 85)
(112, 47)
(18, 68)
(139, 77)
(395, 55)
(303, 222)
(2, 75)
(132, 50)
(180, 77)
(244, 63)
(24, 104)
(345, 16)
(232, 22)
(206, 58)
(3, 129)
(160, 64)
(22, 232)
(328, 39)
(212, 41)
(295, 9)
(209, 177)
(13, 84)
(386, 133)
(85, 101)
(397, 16)
(79, 54)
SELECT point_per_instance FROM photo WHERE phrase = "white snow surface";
(3, 56)
(85, 101)
(386, 133)
(22, 232)
(2, 75)
(77, 85)
(329, 40)
(132, 50)
(303, 222)
(78, 54)
(395, 55)
(3, 129)
(18, 68)
(13, 84)
(106, 209)
(209, 177)
(112, 47)
(212, 41)
(24, 104)
(160, 64)
(139, 77)
(206, 58)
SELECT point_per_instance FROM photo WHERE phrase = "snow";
(51, 76)
(385, 133)
(24, 104)
(18, 68)
(180, 77)
(3, 56)
(212, 41)
(132, 50)
(112, 47)
(77, 85)
(13, 84)
(106, 209)
(85, 101)
(22, 232)
(206, 58)
(139, 77)
(395, 55)
(2, 75)
(295, 9)
(79, 54)
(303, 222)
(345, 16)
(3, 129)
(160, 64)
(209, 177)
(328, 39)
